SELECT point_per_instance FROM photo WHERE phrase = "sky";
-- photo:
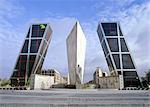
(17, 15)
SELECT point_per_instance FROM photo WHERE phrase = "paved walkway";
(74, 98)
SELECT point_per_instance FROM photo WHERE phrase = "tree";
(4, 82)
(28, 83)
(148, 76)
(146, 79)
(144, 82)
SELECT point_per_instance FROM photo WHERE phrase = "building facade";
(32, 54)
(105, 81)
(109, 82)
(117, 53)
(58, 79)
(76, 47)
(39, 81)
(97, 74)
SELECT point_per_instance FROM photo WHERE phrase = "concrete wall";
(41, 81)
(98, 73)
(76, 46)
(71, 52)
(110, 82)
(81, 49)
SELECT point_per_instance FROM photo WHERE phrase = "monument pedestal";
(79, 86)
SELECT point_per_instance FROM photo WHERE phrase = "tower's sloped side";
(117, 54)
(76, 45)
(32, 54)
(71, 53)
(81, 49)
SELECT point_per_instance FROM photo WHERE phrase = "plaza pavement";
(74, 98)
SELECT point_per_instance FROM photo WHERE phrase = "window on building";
(130, 73)
(35, 43)
(109, 62)
(21, 66)
(35, 27)
(131, 79)
(31, 63)
(113, 44)
(110, 29)
(105, 48)
(28, 33)
(127, 62)
(123, 46)
(120, 31)
(116, 60)
(25, 47)
(38, 30)
(100, 34)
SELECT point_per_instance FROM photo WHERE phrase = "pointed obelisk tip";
(77, 23)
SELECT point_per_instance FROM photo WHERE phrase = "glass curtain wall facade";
(117, 54)
(32, 54)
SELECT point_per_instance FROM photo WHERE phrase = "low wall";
(110, 82)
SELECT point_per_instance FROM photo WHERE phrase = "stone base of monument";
(74, 98)
(79, 86)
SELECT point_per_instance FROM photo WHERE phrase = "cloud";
(10, 36)
(9, 11)
(57, 54)
(135, 24)
(94, 53)
(133, 17)
(136, 27)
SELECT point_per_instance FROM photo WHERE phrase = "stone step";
(74, 105)
(75, 98)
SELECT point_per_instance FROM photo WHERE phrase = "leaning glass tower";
(117, 53)
(32, 54)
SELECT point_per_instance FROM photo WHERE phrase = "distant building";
(46, 79)
(76, 47)
(110, 82)
(32, 54)
(58, 79)
(98, 73)
(68, 80)
(103, 81)
(64, 80)
(39, 81)
(117, 53)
